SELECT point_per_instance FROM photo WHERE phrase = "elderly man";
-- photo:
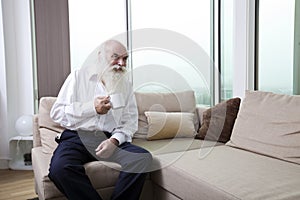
(95, 129)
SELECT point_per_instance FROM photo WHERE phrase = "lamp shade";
(24, 125)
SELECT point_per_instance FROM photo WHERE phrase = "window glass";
(276, 45)
(91, 23)
(171, 45)
(170, 40)
(226, 49)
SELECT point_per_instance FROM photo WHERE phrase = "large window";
(226, 75)
(91, 23)
(276, 46)
(170, 41)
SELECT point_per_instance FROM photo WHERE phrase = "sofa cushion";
(48, 140)
(48, 129)
(157, 147)
(269, 124)
(217, 122)
(45, 120)
(224, 172)
(167, 146)
(166, 125)
(163, 102)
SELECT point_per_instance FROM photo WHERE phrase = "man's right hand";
(102, 104)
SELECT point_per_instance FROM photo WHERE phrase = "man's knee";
(56, 171)
(147, 158)
(140, 162)
(59, 170)
(142, 155)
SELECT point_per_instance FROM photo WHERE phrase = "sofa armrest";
(36, 132)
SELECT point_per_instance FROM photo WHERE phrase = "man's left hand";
(107, 148)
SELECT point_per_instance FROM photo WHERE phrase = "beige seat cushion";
(157, 147)
(228, 173)
(166, 146)
(269, 124)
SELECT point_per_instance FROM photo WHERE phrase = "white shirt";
(74, 108)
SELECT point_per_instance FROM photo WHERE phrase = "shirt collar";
(92, 72)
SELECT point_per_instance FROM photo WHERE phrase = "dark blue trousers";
(68, 173)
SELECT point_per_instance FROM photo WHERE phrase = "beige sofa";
(184, 168)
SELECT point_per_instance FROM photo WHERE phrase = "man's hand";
(102, 104)
(107, 148)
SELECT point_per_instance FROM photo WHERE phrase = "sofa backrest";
(164, 102)
(45, 121)
(45, 129)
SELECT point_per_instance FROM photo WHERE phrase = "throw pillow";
(183, 101)
(269, 124)
(217, 122)
(164, 125)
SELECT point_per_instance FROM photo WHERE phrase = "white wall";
(16, 75)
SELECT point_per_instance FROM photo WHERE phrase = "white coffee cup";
(117, 101)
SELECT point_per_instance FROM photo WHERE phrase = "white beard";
(114, 81)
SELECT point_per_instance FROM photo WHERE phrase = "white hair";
(97, 63)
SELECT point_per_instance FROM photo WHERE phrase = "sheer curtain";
(3, 101)
(16, 88)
